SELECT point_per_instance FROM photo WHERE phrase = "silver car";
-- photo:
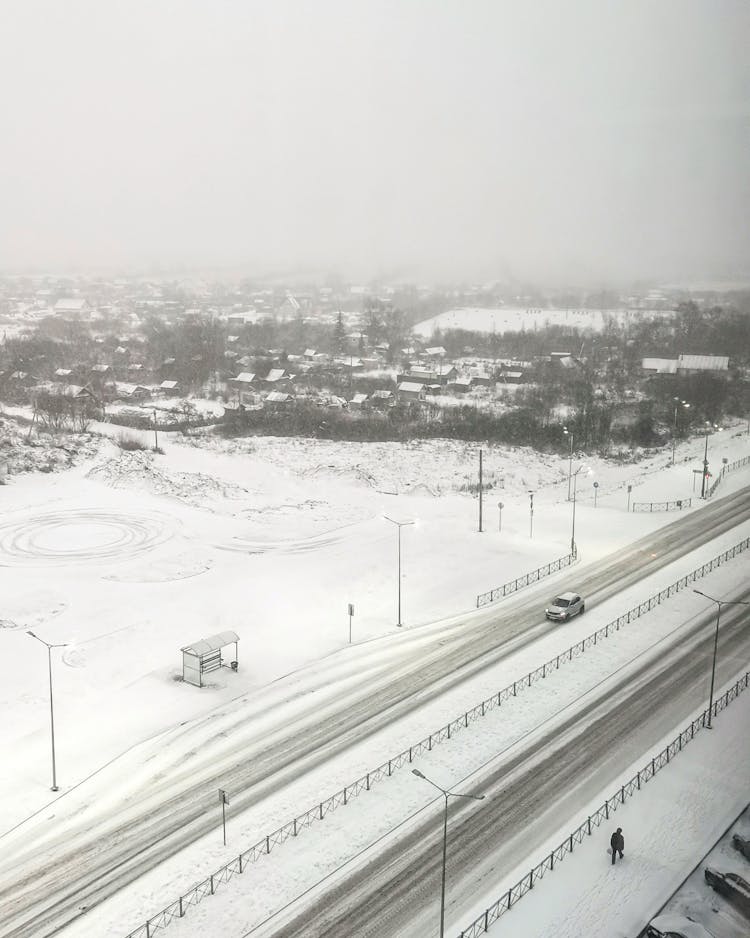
(564, 607)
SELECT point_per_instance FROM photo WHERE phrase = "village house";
(381, 398)
(697, 364)
(289, 309)
(124, 391)
(277, 379)
(411, 391)
(169, 388)
(459, 385)
(278, 399)
(659, 366)
(358, 401)
(73, 308)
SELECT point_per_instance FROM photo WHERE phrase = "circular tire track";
(80, 536)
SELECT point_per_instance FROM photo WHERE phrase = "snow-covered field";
(517, 318)
(129, 556)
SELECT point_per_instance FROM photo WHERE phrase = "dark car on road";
(742, 844)
(733, 887)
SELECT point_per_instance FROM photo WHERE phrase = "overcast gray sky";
(581, 140)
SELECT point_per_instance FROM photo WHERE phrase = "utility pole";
(480, 491)
(156, 434)
(705, 468)
(531, 514)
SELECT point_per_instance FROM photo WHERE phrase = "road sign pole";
(224, 802)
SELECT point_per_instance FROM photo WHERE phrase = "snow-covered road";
(127, 570)
(96, 846)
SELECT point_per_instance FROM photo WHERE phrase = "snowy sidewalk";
(667, 826)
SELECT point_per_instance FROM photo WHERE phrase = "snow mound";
(137, 470)
(42, 451)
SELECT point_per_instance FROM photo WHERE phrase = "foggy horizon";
(594, 143)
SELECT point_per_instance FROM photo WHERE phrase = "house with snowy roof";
(695, 364)
(290, 308)
(73, 307)
(411, 391)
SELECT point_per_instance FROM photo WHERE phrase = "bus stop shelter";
(205, 655)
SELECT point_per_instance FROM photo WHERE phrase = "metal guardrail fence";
(729, 467)
(317, 813)
(512, 586)
(677, 505)
(508, 899)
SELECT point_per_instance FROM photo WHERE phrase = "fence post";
(368, 782)
(544, 670)
(639, 779)
(531, 880)
(571, 843)
(389, 768)
(148, 930)
(622, 795)
(606, 809)
(268, 844)
(558, 662)
(653, 767)
(589, 829)
(212, 883)
(240, 859)
(552, 860)
(181, 909)
(514, 688)
(294, 827)
(344, 794)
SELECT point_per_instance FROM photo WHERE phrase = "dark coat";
(617, 841)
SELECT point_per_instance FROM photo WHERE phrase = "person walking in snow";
(617, 843)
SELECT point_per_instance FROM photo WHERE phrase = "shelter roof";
(213, 643)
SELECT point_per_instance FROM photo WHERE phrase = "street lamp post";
(446, 793)
(569, 434)
(399, 525)
(51, 706)
(677, 403)
(719, 604)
